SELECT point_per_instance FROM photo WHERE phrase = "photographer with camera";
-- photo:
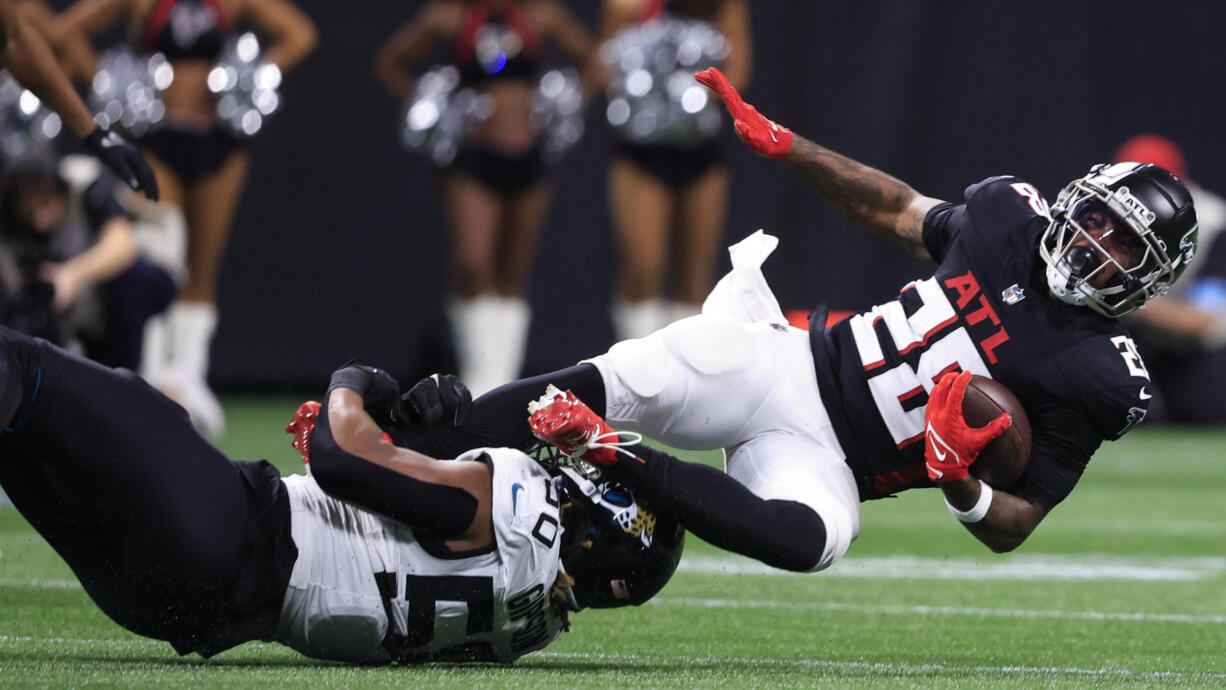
(71, 270)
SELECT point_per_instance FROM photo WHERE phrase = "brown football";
(1002, 462)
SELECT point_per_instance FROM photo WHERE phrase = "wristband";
(352, 377)
(977, 512)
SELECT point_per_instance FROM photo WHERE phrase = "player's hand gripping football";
(301, 427)
(765, 137)
(950, 444)
(565, 422)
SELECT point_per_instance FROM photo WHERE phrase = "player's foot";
(567, 423)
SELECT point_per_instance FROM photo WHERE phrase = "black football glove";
(380, 392)
(124, 159)
(437, 399)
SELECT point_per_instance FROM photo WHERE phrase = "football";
(1002, 462)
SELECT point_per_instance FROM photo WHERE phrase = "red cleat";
(301, 427)
(565, 422)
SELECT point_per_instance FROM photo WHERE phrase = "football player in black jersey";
(812, 424)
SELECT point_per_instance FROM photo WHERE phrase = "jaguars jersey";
(985, 310)
(365, 588)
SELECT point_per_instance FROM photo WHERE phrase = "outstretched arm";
(859, 193)
(880, 202)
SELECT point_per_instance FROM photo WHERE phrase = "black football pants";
(150, 517)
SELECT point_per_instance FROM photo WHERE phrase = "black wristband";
(354, 377)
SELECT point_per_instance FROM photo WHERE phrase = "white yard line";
(940, 610)
(1029, 567)
(39, 584)
(1067, 524)
(891, 667)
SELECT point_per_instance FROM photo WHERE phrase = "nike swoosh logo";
(515, 489)
(1144, 395)
(939, 447)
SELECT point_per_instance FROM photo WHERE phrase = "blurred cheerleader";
(497, 189)
(200, 166)
(667, 197)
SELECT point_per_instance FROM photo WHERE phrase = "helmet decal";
(620, 551)
(1130, 202)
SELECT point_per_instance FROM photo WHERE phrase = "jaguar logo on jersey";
(1013, 294)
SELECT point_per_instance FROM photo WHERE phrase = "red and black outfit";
(184, 31)
(674, 166)
(498, 46)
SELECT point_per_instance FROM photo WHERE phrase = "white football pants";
(713, 381)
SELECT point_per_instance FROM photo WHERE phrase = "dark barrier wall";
(339, 249)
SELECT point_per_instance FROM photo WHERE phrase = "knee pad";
(711, 344)
(643, 366)
(790, 468)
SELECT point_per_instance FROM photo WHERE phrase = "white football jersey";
(364, 588)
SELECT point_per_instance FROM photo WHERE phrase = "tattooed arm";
(888, 206)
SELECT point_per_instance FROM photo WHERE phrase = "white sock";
(491, 335)
(155, 350)
(191, 327)
(637, 319)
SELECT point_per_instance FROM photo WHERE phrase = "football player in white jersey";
(382, 554)
(814, 423)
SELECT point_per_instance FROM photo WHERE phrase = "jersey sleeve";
(941, 226)
(995, 205)
(525, 511)
(1062, 441)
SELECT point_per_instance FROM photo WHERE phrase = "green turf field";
(1123, 586)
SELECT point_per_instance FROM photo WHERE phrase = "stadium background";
(339, 248)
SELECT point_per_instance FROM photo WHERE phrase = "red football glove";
(763, 136)
(301, 427)
(950, 446)
(565, 422)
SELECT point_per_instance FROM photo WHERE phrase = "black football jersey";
(985, 310)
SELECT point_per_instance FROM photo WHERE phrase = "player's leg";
(672, 386)
(169, 515)
(702, 383)
(641, 208)
(786, 467)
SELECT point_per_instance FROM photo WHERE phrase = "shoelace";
(618, 445)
